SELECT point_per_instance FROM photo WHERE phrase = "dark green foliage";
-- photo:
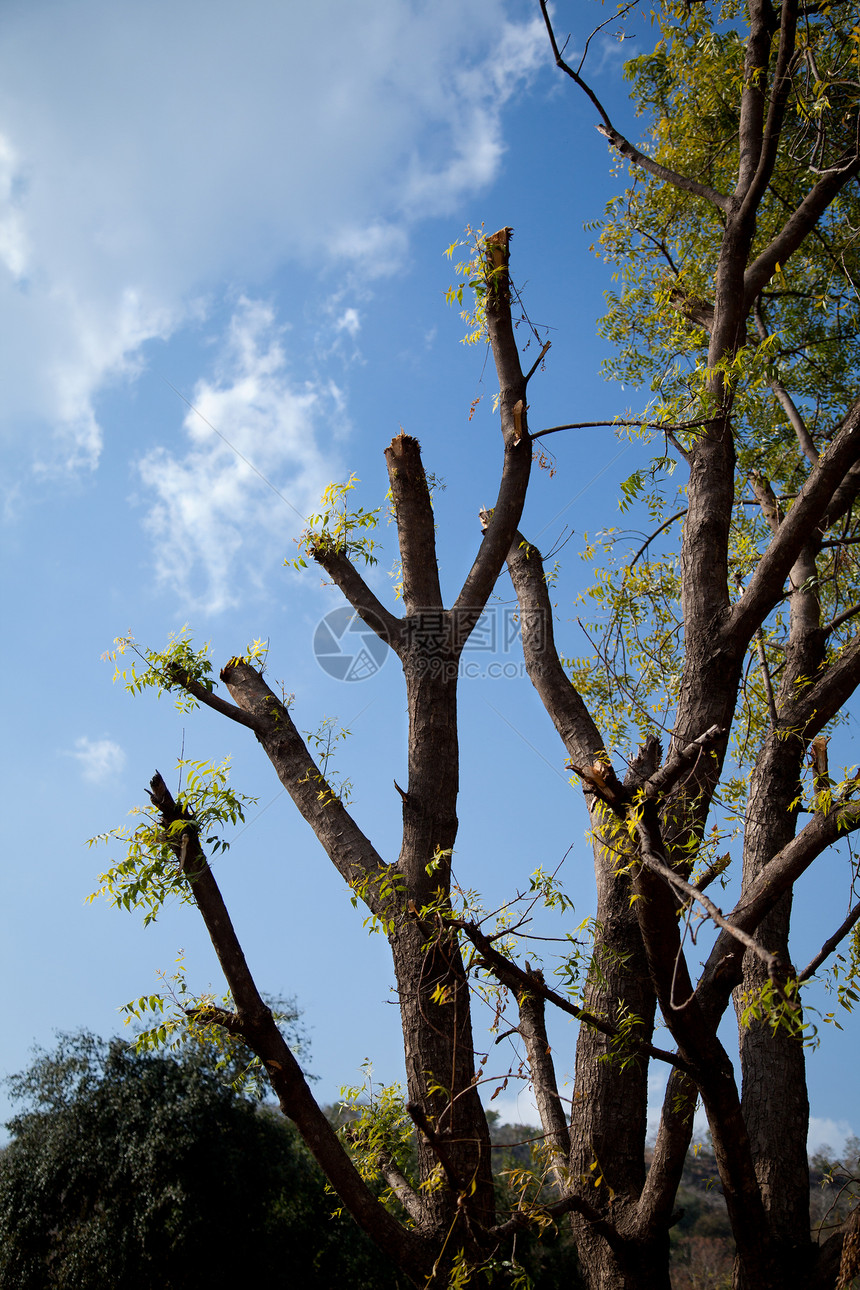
(146, 1172)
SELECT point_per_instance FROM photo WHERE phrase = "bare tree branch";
(698, 1044)
(416, 527)
(839, 619)
(765, 672)
(759, 145)
(506, 513)
(560, 697)
(193, 864)
(516, 979)
(650, 855)
(211, 700)
(622, 145)
(766, 499)
(352, 854)
(645, 545)
(680, 761)
(668, 427)
(536, 364)
(524, 1218)
(658, 1197)
(796, 421)
(778, 877)
(532, 1029)
(408, 1197)
(818, 703)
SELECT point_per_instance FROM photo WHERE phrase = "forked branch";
(650, 855)
(765, 587)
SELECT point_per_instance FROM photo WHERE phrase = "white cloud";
(251, 471)
(99, 759)
(374, 250)
(476, 145)
(349, 321)
(148, 158)
(824, 1132)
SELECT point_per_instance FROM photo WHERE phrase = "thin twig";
(830, 944)
(536, 364)
(804, 438)
(656, 533)
(667, 776)
(523, 1218)
(502, 967)
(624, 146)
(615, 17)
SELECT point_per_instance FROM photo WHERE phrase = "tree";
(146, 1170)
(729, 637)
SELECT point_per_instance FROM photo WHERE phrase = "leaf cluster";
(376, 1127)
(338, 530)
(149, 873)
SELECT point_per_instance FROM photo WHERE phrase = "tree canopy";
(150, 1171)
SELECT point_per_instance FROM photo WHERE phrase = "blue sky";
(247, 208)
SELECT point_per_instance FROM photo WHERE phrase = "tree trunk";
(608, 1117)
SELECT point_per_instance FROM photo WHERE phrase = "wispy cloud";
(251, 471)
(475, 144)
(107, 345)
(373, 250)
(99, 759)
(13, 241)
